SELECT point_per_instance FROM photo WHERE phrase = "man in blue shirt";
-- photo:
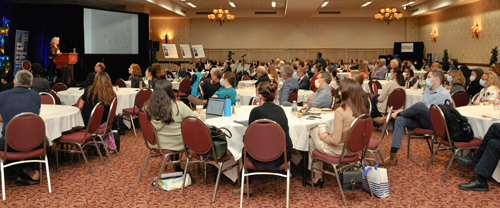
(15, 101)
(322, 98)
(289, 85)
(380, 71)
(417, 116)
(179, 71)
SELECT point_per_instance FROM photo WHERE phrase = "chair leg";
(288, 186)
(3, 180)
(241, 187)
(312, 175)
(106, 148)
(48, 174)
(159, 173)
(375, 157)
(432, 157)
(429, 144)
(205, 171)
(99, 151)
(144, 167)
(449, 165)
(408, 151)
(133, 126)
(217, 182)
(85, 158)
(340, 185)
(381, 157)
(57, 158)
(184, 176)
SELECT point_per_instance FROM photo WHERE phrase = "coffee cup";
(322, 128)
(199, 107)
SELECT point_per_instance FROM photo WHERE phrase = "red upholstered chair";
(374, 86)
(293, 97)
(446, 143)
(24, 133)
(460, 98)
(26, 65)
(198, 140)
(245, 77)
(253, 101)
(142, 96)
(357, 144)
(202, 79)
(475, 97)
(264, 147)
(82, 138)
(188, 75)
(47, 98)
(184, 88)
(150, 138)
(121, 83)
(169, 74)
(101, 134)
(56, 98)
(59, 87)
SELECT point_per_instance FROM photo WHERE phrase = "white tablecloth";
(58, 119)
(420, 74)
(367, 89)
(126, 97)
(413, 96)
(247, 94)
(343, 75)
(479, 123)
(298, 128)
(175, 84)
(251, 83)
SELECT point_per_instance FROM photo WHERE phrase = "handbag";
(351, 180)
(219, 141)
(378, 180)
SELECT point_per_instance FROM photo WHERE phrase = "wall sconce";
(475, 30)
(434, 35)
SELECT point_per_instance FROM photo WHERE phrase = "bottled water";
(238, 101)
(294, 109)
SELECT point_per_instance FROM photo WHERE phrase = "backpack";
(458, 126)
(118, 124)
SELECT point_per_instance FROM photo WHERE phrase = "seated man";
(99, 67)
(417, 116)
(380, 71)
(179, 71)
(39, 84)
(209, 88)
(485, 159)
(289, 85)
(12, 102)
(322, 98)
(262, 74)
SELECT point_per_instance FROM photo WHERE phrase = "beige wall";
(454, 31)
(178, 29)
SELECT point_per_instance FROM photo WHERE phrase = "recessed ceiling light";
(366, 4)
(408, 4)
(324, 4)
(190, 4)
(232, 4)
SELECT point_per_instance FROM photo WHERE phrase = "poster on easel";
(185, 51)
(198, 51)
(169, 51)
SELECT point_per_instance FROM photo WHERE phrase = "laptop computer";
(215, 107)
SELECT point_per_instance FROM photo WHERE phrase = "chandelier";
(388, 15)
(220, 16)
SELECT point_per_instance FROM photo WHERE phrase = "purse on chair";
(219, 141)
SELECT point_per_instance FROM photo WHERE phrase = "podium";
(65, 59)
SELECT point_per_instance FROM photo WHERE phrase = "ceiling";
(246, 8)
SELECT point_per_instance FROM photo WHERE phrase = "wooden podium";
(65, 59)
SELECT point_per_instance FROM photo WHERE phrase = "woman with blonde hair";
(273, 75)
(457, 81)
(491, 85)
(363, 68)
(135, 76)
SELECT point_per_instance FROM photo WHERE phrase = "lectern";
(65, 59)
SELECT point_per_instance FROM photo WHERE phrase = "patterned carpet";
(116, 185)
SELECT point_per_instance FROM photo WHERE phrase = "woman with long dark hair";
(151, 75)
(332, 142)
(66, 77)
(379, 102)
(166, 115)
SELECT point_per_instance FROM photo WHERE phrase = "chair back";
(265, 140)
(142, 96)
(460, 98)
(188, 75)
(438, 121)
(196, 135)
(253, 101)
(202, 79)
(79, 101)
(293, 97)
(59, 87)
(333, 91)
(185, 85)
(148, 131)
(120, 82)
(47, 98)
(25, 132)
(169, 73)
(359, 136)
(376, 86)
(26, 65)
(112, 112)
(202, 93)
(475, 97)
(245, 77)
(56, 98)
(95, 118)
(397, 99)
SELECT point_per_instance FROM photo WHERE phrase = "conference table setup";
(343, 75)
(366, 88)
(175, 84)
(480, 117)
(59, 119)
(126, 97)
(247, 94)
(251, 83)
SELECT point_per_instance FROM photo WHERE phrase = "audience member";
(303, 79)
(411, 80)
(262, 75)
(379, 102)
(289, 85)
(99, 67)
(160, 74)
(456, 80)
(320, 60)
(380, 70)
(151, 75)
(195, 81)
(228, 82)
(180, 72)
(474, 86)
(39, 84)
(333, 74)
(317, 68)
(209, 88)
(273, 75)
(322, 98)
(66, 77)
(136, 79)
(100, 92)
(491, 87)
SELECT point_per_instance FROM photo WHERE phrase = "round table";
(247, 94)
(126, 97)
(58, 119)
(476, 116)
(246, 83)
(413, 96)
(343, 75)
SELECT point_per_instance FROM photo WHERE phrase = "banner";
(198, 51)
(169, 51)
(185, 51)
(21, 50)
(407, 47)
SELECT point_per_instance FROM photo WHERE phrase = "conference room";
(249, 103)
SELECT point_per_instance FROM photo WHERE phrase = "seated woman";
(332, 142)
(66, 77)
(89, 80)
(491, 88)
(195, 81)
(358, 77)
(474, 86)
(379, 102)
(159, 72)
(453, 64)
(273, 75)
(100, 92)
(136, 76)
(228, 82)
(151, 75)
(409, 76)
(363, 68)
(457, 80)
(333, 73)
(166, 115)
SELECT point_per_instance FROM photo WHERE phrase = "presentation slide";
(169, 51)
(185, 50)
(108, 32)
(198, 51)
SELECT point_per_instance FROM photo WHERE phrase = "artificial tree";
(494, 55)
(446, 63)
